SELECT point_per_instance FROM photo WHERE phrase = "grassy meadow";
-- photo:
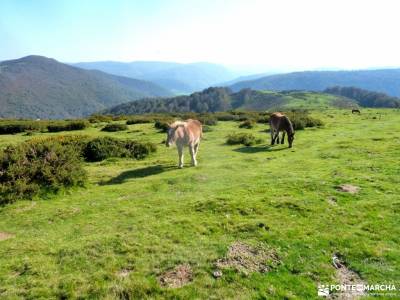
(137, 219)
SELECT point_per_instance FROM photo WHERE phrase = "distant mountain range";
(176, 77)
(40, 87)
(385, 81)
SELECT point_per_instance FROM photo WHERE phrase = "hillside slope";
(386, 81)
(222, 99)
(179, 78)
(39, 87)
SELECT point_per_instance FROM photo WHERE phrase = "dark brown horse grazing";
(279, 122)
(355, 111)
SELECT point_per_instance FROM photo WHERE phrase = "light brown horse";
(182, 133)
(279, 122)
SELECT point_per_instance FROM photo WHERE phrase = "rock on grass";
(348, 188)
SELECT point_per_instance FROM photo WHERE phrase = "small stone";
(348, 188)
(217, 274)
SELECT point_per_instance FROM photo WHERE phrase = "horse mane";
(288, 124)
(177, 124)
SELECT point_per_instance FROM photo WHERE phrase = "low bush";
(115, 127)
(162, 124)
(101, 148)
(100, 118)
(226, 117)
(14, 127)
(67, 125)
(246, 139)
(208, 120)
(248, 124)
(301, 120)
(36, 167)
(139, 120)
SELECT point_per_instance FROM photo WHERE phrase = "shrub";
(263, 120)
(226, 117)
(248, 124)
(162, 125)
(100, 118)
(139, 120)
(77, 142)
(301, 120)
(246, 139)
(67, 126)
(18, 127)
(208, 120)
(139, 150)
(115, 127)
(36, 167)
(105, 147)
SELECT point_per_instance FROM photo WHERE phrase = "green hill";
(39, 87)
(222, 99)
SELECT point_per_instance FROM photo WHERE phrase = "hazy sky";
(265, 34)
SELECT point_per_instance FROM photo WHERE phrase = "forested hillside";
(221, 99)
(39, 87)
(365, 97)
(384, 80)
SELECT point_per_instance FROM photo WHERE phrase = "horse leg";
(193, 155)
(283, 137)
(180, 154)
(272, 135)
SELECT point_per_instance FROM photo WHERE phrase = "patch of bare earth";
(248, 259)
(27, 207)
(5, 236)
(348, 188)
(177, 277)
(347, 277)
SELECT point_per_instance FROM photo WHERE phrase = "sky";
(261, 35)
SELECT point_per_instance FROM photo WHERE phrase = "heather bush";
(248, 124)
(67, 125)
(162, 124)
(115, 127)
(36, 167)
(102, 148)
(13, 127)
(139, 120)
(246, 139)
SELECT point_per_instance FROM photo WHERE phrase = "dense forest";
(364, 97)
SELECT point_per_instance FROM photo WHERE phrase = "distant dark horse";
(355, 111)
(279, 122)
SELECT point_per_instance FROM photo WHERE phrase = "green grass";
(148, 216)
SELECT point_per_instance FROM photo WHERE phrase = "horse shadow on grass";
(256, 149)
(138, 173)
